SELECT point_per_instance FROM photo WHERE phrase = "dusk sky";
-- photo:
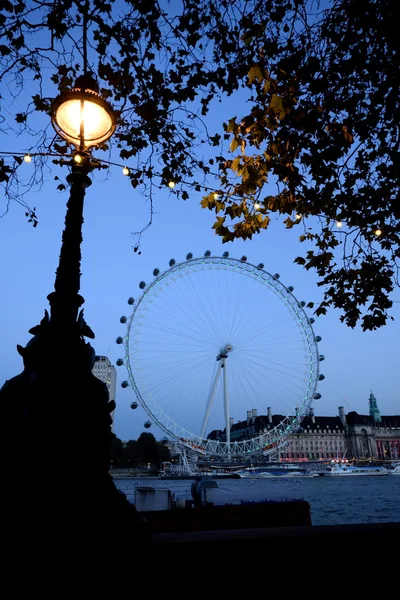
(356, 361)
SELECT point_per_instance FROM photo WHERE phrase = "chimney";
(342, 416)
(311, 415)
(269, 413)
(253, 414)
(248, 416)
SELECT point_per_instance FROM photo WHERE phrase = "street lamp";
(56, 435)
(82, 117)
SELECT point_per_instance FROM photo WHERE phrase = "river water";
(333, 500)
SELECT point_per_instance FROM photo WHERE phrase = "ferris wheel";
(221, 355)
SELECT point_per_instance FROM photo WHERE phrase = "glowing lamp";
(81, 116)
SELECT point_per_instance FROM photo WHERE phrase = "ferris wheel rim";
(268, 441)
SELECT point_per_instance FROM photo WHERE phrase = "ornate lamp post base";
(56, 432)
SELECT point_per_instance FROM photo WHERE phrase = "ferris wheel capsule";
(321, 357)
(276, 276)
(142, 285)
(244, 258)
(317, 396)
(134, 405)
(260, 266)
(131, 300)
(225, 254)
(291, 288)
(122, 319)
(124, 384)
(172, 262)
(302, 304)
(207, 253)
(119, 362)
(147, 424)
(189, 256)
(321, 377)
(311, 320)
(156, 272)
(119, 340)
(318, 338)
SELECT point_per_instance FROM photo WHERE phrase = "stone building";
(105, 371)
(326, 438)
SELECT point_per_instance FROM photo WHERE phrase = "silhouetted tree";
(315, 135)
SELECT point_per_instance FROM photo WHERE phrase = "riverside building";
(105, 371)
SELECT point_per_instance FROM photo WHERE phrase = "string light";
(171, 184)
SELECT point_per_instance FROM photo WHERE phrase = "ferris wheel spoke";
(207, 303)
(180, 334)
(269, 378)
(176, 315)
(179, 312)
(270, 328)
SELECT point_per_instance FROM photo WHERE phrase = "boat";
(344, 469)
(198, 474)
(394, 469)
(281, 470)
(181, 472)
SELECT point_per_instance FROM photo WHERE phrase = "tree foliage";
(139, 453)
(317, 135)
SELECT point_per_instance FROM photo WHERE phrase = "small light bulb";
(171, 184)
(125, 171)
(78, 158)
(256, 205)
(378, 232)
(339, 224)
(216, 196)
(28, 158)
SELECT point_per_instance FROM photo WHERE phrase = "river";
(333, 501)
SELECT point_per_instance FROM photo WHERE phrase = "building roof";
(322, 423)
(353, 418)
(333, 423)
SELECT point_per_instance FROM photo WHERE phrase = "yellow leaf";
(277, 105)
(255, 73)
(234, 145)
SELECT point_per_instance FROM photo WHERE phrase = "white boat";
(283, 470)
(394, 469)
(343, 469)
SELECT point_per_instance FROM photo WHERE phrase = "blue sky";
(355, 362)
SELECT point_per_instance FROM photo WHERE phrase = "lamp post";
(56, 430)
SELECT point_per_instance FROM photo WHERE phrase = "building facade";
(346, 436)
(106, 372)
